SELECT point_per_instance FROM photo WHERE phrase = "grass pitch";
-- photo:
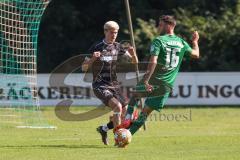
(175, 134)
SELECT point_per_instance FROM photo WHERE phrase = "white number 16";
(172, 58)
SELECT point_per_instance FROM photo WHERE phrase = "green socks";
(130, 109)
(132, 103)
(138, 123)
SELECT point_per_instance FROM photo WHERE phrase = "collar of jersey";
(107, 43)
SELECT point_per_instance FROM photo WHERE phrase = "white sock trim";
(128, 116)
(105, 128)
(117, 113)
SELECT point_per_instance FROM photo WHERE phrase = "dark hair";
(168, 19)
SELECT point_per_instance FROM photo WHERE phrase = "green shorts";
(156, 103)
(157, 98)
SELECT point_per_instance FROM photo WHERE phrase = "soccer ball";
(122, 137)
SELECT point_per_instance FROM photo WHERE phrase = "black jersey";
(104, 68)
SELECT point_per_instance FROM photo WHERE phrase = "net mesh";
(19, 25)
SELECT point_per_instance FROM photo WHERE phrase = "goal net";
(19, 25)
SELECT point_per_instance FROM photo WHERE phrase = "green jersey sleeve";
(155, 47)
(187, 48)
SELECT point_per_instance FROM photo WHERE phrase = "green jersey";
(170, 50)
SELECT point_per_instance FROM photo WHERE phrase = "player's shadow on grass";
(52, 146)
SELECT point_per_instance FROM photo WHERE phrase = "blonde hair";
(111, 25)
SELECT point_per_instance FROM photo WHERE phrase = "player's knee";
(147, 110)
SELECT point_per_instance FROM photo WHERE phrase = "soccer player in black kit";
(105, 84)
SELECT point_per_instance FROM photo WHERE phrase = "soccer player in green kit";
(166, 54)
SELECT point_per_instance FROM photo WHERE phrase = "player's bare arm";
(195, 49)
(150, 69)
(88, 61)
(132, 54)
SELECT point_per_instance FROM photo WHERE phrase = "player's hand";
(131, 51)
(148, 87)
(85, 64)
(195, 36)
(96, 55)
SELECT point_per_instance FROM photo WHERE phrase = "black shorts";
(106, 93)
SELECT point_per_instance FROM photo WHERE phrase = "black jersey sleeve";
(95, 47)
(91, 50)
